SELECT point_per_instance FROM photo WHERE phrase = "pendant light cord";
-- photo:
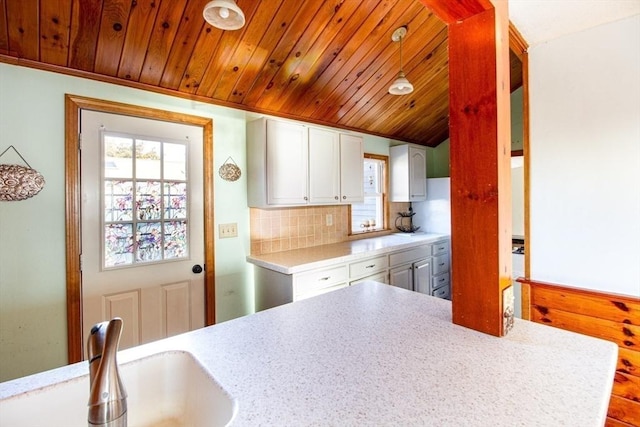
(401, 70)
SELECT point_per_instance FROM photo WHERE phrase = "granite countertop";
(299, 260)
(373, 354)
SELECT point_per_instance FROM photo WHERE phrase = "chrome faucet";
(107, 396)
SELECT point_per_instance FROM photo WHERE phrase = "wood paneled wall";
(612, 317)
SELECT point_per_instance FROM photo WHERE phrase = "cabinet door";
(422, 276)
(287, 163)
(417, 174)
(402, 277)
(324, 167)
(351, 169)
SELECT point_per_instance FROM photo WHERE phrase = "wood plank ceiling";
(327, 62)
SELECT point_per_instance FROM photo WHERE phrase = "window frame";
(385, 197)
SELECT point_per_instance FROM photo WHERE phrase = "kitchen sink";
(166, 389)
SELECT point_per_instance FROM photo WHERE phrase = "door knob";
(197, 269)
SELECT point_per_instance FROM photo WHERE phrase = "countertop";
(299, 260)
(373, 354)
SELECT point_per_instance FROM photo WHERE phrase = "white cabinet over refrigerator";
(408, 173)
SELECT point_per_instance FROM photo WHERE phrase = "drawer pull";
(370, 266)
(441, 248)
(325, 278)
(441, 279)
(441, 264)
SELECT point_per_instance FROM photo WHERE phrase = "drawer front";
(319, 279)
(439, 248)
(410, 255)
(443, 292)
(368, 266)
(440, 264)
(440, 280)
(380, 277)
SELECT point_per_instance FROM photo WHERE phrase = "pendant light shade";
(224, 14)
(401, 86)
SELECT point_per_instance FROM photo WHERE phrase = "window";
(371, 215)
(145, 200)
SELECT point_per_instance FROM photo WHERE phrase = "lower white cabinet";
(414, 277)
(418, 270)
(415, 269)
(402, 276)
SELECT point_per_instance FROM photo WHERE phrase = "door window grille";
(145, 213)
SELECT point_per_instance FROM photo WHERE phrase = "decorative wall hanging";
(19, 182)
(229, 171)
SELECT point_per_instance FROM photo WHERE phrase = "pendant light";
(401, 86)
(224, 14)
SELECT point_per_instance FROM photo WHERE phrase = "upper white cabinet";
(324, 166)
(335, 167)
(351, 169)
(408, 173)
(277, 163)
(287, 168)
(290, 164)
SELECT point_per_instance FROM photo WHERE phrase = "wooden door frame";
(73, 106)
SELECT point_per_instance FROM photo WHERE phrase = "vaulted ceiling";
(328, 62)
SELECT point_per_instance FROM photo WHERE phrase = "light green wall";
(438, 160)
(438, 157)
(32, 232)
(376, 145)
(517, 132)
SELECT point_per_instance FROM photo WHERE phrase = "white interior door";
(142, 225)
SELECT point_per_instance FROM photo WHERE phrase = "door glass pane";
(118, 157)
(118, 200)
(175, 161)
(148, 159)
(148, 200)
(145, 197)
(149, 241)
(175, 239)
(118, 244)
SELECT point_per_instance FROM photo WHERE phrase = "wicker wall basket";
(19, 182)
(229, 171)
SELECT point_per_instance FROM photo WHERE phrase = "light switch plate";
(228, 230)
(508, 309)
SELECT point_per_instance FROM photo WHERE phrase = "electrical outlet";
(329, 220)
(508, 309)
(228, 230)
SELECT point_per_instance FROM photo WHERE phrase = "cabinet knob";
(337, 197)
(344, 197)
(306, 198)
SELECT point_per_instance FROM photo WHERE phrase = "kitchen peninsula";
(373, 354)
